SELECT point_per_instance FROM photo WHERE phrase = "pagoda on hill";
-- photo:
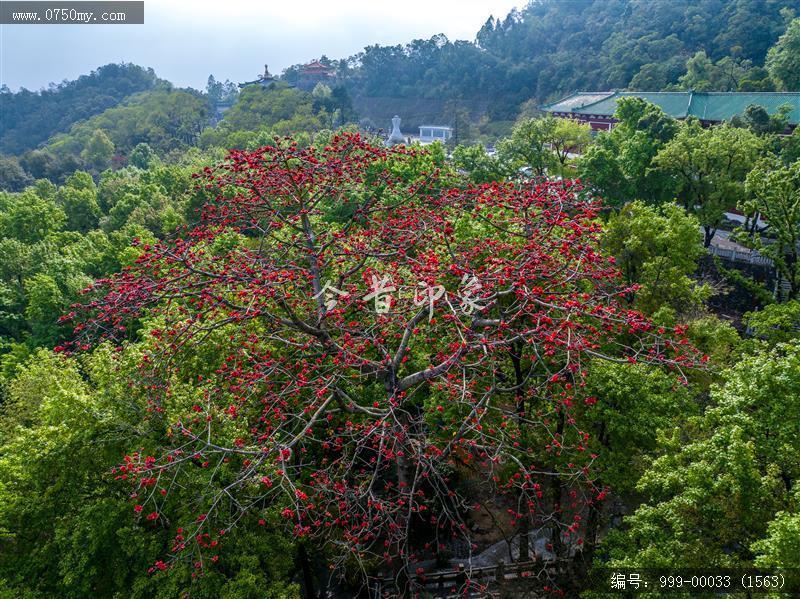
(314, 72)
(265, 80)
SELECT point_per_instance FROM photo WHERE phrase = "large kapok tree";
(381, 343)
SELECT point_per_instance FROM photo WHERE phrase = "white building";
(431, 133)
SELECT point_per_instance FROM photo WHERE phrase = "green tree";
(12, 176)
(780, 548)
(775, 196)
(542, 146)
(28, 217)
(759, 121)
(44, 164)
(165, 119)
(654, 75)
(618, 165)
(568, 137)
(704, 506)
(527, 148)
(628, 404)
(98, 150)
(142, 156)
(727, 74)
(657, 249)
(757, 79)
(464, 132)
(260, 108)
(775, 323)
(40, 164)
(78, 199)
(700, 71)
(710, 167)
(724, 477)
(344, 104)
(219, 92)
(45, 303)
(634, 402)
(31, 118)
(477, 164)
(600, 168)
(790, 147)
(783, 59)
(69, 529)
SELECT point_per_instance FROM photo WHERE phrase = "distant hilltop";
(305, 77)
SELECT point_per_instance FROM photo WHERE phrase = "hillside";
(545, 50)
(30, 118)
(551, 48)
(481, 87)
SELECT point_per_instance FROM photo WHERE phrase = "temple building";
(314, 72)
(597, 108)
(265, 80)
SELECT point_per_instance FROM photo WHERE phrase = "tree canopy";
(376, 358)
(31, 118)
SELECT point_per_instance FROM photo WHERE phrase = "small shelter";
(431, 133)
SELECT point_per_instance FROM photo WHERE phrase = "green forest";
(248, 350)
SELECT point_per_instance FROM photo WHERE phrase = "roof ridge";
(682, 91)
(606, 95)
(677, 91)
(754, 93)
(603, 99)
(714, 106)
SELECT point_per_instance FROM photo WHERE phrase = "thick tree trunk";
(524, 538)
(555, 496)
(791, 263)
(594, 517)
(592, 529)
(519, 396)
(308, 575)
(754, 226)
(405, 482)
(515, 352)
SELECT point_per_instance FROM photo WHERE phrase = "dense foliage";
(30, 118)
(551, 48)
(56, 240)
(164, 119)
(254, 385)
(309, 362)
(355, 410)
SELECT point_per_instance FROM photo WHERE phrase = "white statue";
(395, 137)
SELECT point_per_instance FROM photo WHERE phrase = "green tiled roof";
(711, 106)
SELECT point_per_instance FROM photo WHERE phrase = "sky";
(186, 40)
